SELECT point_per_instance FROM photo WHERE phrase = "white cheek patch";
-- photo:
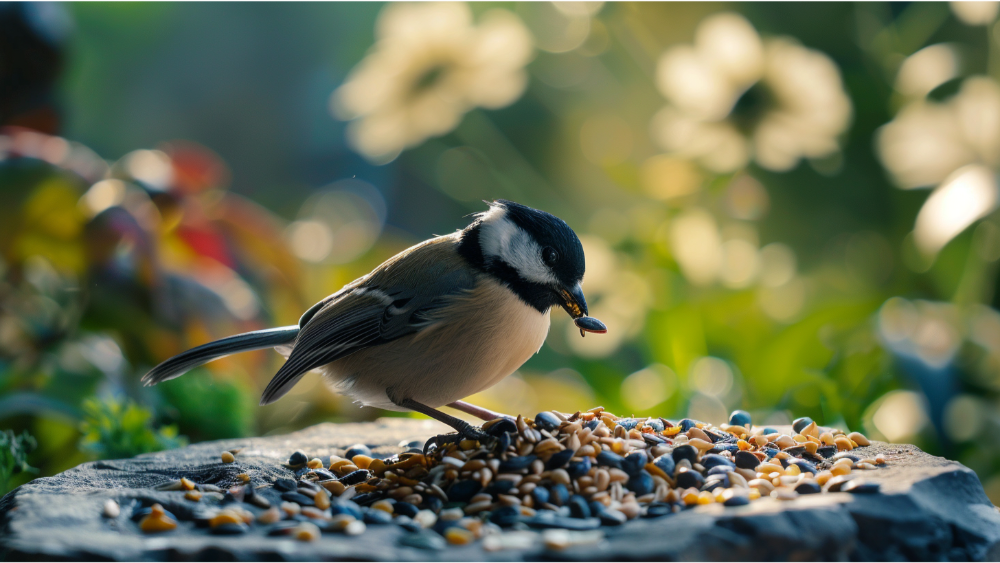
(501, 238)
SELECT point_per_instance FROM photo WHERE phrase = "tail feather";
(185, 361)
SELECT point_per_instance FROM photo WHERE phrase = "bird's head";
(534, 253)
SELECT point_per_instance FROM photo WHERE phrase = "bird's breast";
(469, 345)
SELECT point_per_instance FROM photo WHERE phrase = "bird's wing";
(395, 300)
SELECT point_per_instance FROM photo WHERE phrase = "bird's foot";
(466, 431)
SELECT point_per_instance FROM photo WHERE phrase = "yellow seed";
(880, 459)
(243, 477)
(758, 441)
(811, 430)
(228, 457)
(314, 463)
(768, 468)
(336, 488)
(193, 495)
(346, 468)
(269, 516)
(822, 477)
(827, 439)
(812, 447)
(843, 443)
(362, 461)
(225, 517)
(307, 531)
(459, 536)
(187, 484)
(705, 497)
(291, 509)
(467, 445)
(672, 431)
(859, 438)
(690, 498)
(383, 505)
(157, 521)
(840, 469)
(792, 470)
(720, 494)
(754, 494)
(743, 445)
(322, 499)
(335, 466)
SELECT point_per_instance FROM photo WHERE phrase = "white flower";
(929, 140)
(954, 145)
(975, 13)
(734, 96)
(429, 66)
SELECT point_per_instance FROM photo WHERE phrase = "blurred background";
(788, 211)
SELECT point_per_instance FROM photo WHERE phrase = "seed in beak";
(589, 324)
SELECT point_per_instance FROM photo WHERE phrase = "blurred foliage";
(117, 428)
(812, 231)
(14, 450)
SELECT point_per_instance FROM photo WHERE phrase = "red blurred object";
(196, 168)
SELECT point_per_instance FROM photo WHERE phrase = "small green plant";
(119, 428)
(206, 408)
(14, 452)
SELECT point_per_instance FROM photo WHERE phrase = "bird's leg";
(464, 429)
(478, 412)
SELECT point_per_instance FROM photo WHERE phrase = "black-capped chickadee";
(438, 322)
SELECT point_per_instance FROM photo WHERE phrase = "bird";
(438, 322)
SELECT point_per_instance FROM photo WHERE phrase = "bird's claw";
(468, 432)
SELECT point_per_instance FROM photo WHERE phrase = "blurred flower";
(430, 66)
(956, 144)
(929, 140)
(734, 96)
(899, 415)
(927, 69)
(975, 13)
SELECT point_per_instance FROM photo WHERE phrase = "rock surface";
(929, 508)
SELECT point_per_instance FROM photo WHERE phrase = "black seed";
(746, 460)
(357, 449)
(800, 423)
(827, 451)
(405, 508)
(285, 485)
(719, 470)
(685, 451)
(596, 508)
(229, 529)
(835, 484)
(634, 462)
(808, 487)
(714, 437)
(298, 458)
(558, 494)
(356, 477)
(297, 498)
(666, 464)
(503, 442)
(724, 447)
(499, 487)
(795, 451)
(579, 469)
(610, 459)
(347, 507)
(590, 324)
(687, 424)
(716, 481)
(861, 488)
(364, 499)
(559, 459)
(541, 495)
(612, 518)
(653, 439)
(848, 455)
(502, 427)
(736, 500)
(641, 483)
(714, 460)
(506, 516)
(592, 424)
(690, 478)
(377, 517)
(407, 523)
(547, 421)
(769, 430)
(578, 507)
(739, 418)
(657, 509)
(518, 463)
(434, 504)
(805, 467)
(463, 491)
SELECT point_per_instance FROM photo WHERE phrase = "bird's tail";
(257, 340)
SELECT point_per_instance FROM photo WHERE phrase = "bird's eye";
(549, 255)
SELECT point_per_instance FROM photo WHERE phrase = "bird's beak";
(573, 301)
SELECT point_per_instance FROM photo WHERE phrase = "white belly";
(480, 339)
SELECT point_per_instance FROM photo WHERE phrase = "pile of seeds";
(567, 475)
